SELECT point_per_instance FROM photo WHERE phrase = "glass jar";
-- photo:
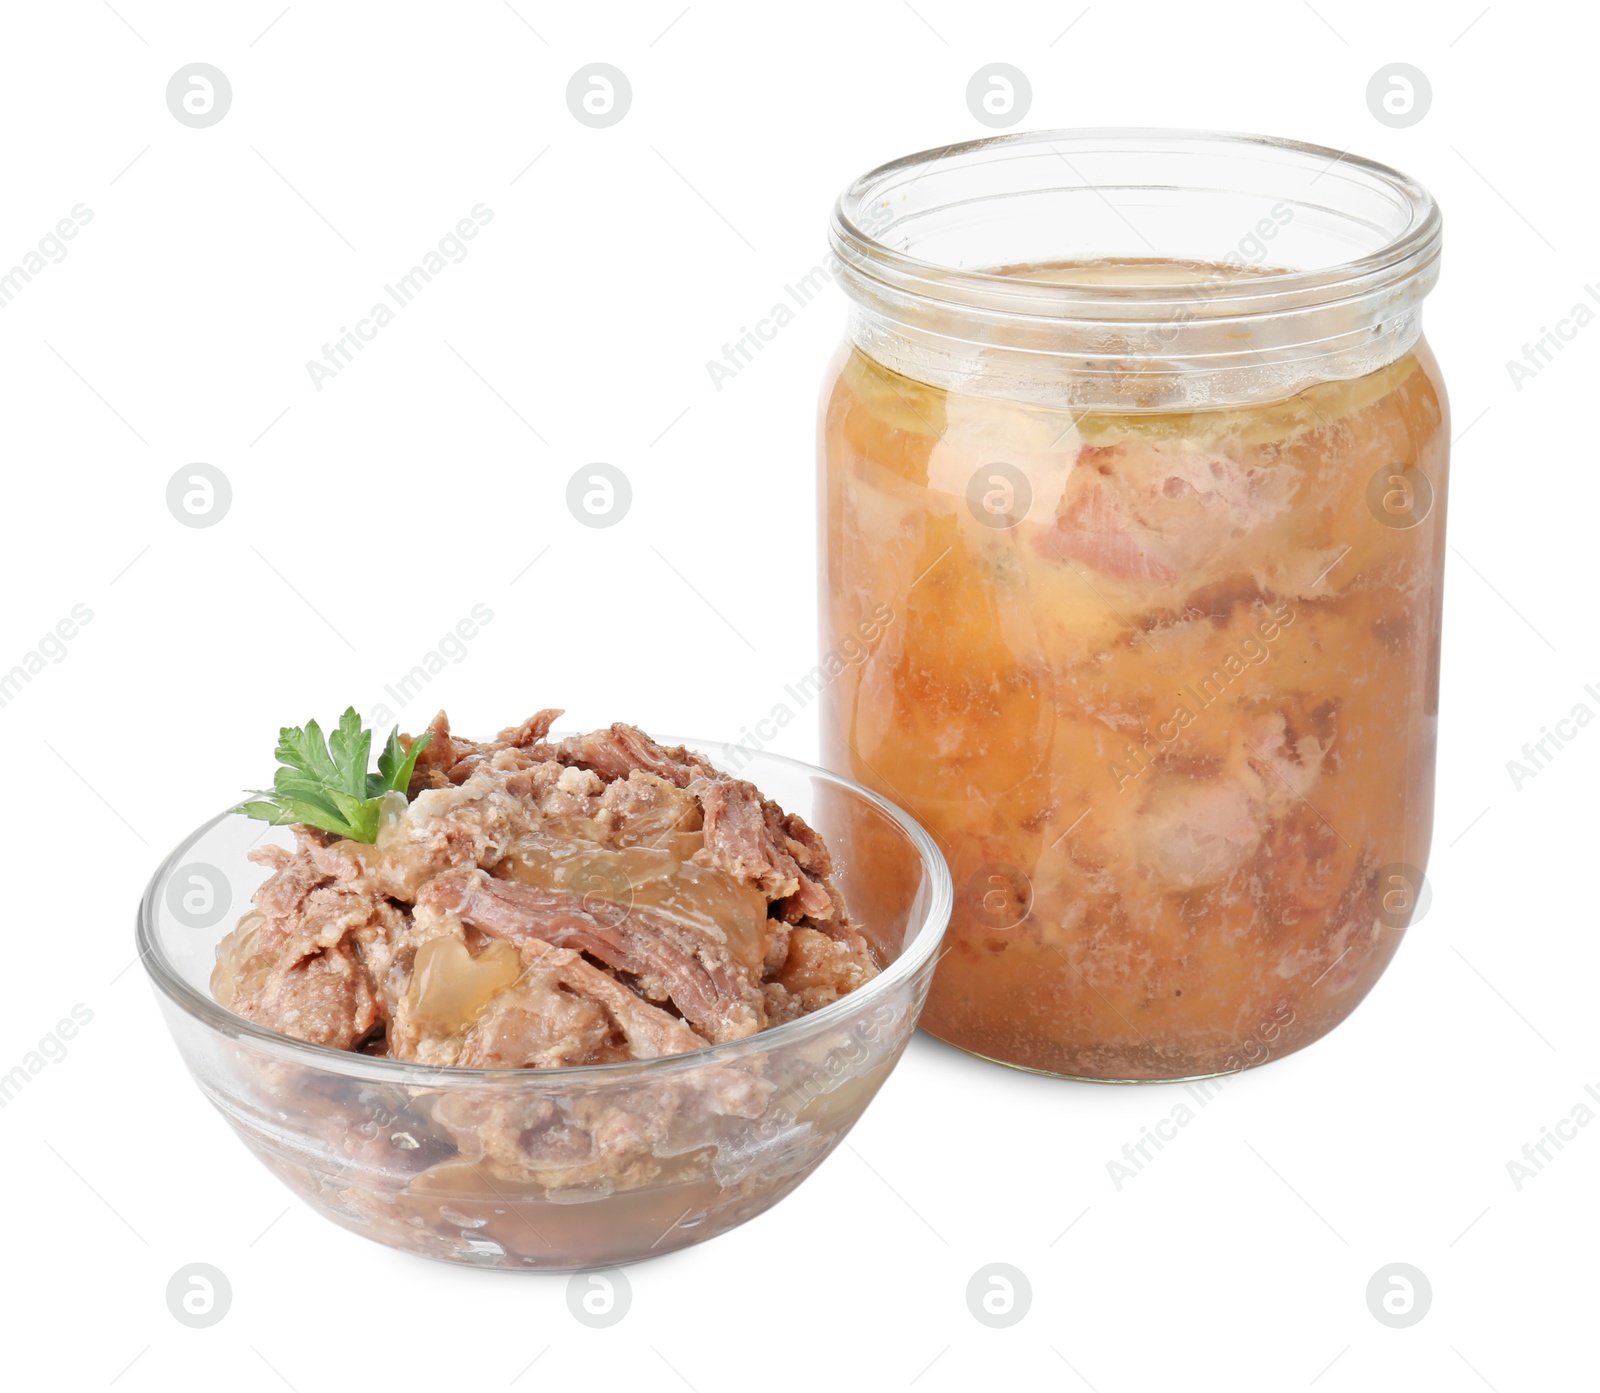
(1133, 473)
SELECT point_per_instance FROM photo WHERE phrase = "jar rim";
(1407, 255)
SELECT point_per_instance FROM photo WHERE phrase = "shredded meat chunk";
(617, 752)
(540, 1022)
(472, 823)
(650, 1032)
(752, 839)
(670, 963)
(820, 970)
(295, 962)
(646, 809)
(448, 759)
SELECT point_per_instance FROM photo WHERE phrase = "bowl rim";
(929, 934)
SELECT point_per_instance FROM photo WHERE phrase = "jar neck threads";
(1135, 270)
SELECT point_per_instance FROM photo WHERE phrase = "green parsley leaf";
(324, 782)
(395, 765)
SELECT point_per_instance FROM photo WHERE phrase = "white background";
(369, 517)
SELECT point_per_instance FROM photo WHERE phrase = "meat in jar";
(1134, 462)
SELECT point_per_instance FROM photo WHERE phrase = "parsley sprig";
(325, 783)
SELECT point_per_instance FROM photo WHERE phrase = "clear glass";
(1133, 477)
(501, 1168)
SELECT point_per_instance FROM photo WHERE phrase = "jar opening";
(1261, 264)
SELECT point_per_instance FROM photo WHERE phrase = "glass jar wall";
(1134, 467)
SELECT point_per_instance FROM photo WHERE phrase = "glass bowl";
(572, 1168)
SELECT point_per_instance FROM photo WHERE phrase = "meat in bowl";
(522, 903)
